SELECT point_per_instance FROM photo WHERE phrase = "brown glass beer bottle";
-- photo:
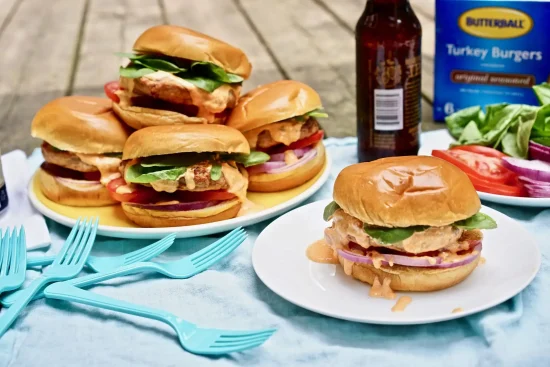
(388, 63)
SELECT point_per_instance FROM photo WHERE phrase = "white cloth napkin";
(20, 211)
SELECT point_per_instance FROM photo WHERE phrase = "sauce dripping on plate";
(382, 290)
(458, 309)
(320, 252)
(401, 304)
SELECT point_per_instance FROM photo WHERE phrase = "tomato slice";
(138, 194)
(477, 165)
(302, 143)
(110, 89)
(479, 149)
(496, 188)
(216, 195)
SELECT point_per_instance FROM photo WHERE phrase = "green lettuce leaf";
(542, 91)
(317, 113)
(145, 175)
(477, 221)
(544, 140)
(132, 72)
(329, 210)
(392, 235)
(458, 120)
(216, 172)
(159, 64)
(252, 159)
(215, 72)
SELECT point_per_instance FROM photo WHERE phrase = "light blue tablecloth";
(229, 295)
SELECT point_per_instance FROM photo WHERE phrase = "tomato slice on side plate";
(137, 194)
(302, 143)
(479, 149)
(495, 188)
(110, 89)
(216, 195)
(477, 165)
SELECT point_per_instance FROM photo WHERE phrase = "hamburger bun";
(406, 191)
(185, 43)
(273, 182)
(141, 117)
(172, 139)
(158, 218)
(411, 279)
(81, 125)
(73, 192)
(273, 102)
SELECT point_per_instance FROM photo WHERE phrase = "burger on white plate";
(180, 175)
(82, 149)
(178, 76)
(280, 119)
(412, 220)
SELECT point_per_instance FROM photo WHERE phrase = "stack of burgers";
(175, 143)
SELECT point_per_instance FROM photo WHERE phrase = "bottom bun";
(412, 279)
(161, 218)
(273, 182)
(73, 192)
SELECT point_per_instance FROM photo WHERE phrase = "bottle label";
(388, 109)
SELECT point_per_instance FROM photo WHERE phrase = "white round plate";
(279, 259)
(189, 231)
(441, 139)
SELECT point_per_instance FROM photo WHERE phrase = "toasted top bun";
(81, 125)
(273, 102)
(171, 139)
(406, 191)
(185, 43)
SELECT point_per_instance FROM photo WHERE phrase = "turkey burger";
(178, 76)
(411, 221)
(181, 175)
(280, 119)
(82, 149)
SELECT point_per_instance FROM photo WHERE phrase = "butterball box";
(489, 52)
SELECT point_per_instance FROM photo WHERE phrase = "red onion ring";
(266, 168)
(179, 207)
(280, 157)
(423, 262)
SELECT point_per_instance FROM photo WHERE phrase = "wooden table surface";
(62, 47)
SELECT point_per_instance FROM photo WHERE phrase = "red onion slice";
(535, 170)
(193, 205)
(262, 168)
(280, 157)
(413, 261)
(527, 180)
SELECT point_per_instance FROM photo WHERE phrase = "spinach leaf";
(458, 120)
(509, 145)
(216, 172)
(143, 175)
(317, 113)
(477, 221)
(329, 210)
(113, 155)
(208, 85)
(491, 111)
(525, 127)
(132, 72)
(392, 235)
(542, 91)
(215, 72)
(470, 134)
(159, 64)
(176, 160)
(544, 140)
(542, 122)
(252, 159)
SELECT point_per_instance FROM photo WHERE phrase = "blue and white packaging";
(488, 52)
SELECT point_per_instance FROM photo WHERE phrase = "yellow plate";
(114, 223)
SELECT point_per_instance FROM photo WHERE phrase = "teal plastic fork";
(192, 338)
(180, 269)
(13, 256)
(106, 264)
(68, 263)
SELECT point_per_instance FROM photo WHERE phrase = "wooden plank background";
(69, 49)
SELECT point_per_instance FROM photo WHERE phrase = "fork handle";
(40, 260)
(68, 292)
(87, 280)
(8, 316)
